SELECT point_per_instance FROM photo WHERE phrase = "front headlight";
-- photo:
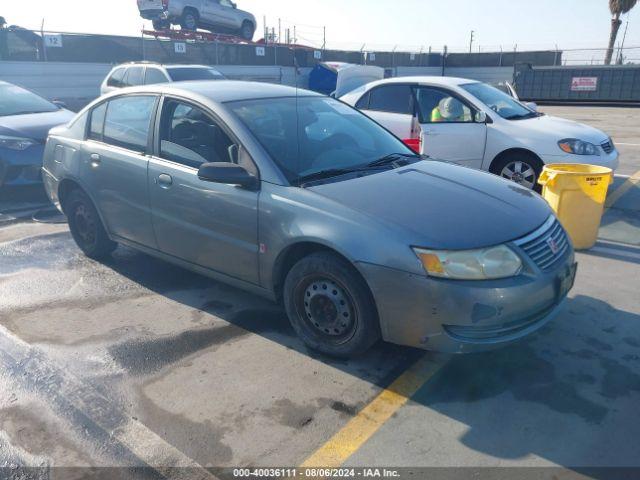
(15, 143)
(483, 264)
(578, 147)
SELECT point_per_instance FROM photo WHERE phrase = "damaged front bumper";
(465, 316)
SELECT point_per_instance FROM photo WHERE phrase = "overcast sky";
(376, 23)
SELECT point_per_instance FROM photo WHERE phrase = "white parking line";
(628, 144)
(87, 409)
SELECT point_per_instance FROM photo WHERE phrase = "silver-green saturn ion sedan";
(302, 199)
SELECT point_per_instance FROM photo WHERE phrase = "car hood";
(561, 128)
(34, 125)
(443, 206)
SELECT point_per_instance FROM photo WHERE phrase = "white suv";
(215, 15)
(142, 73)
(477, 125)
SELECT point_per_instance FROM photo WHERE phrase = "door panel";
(448, 129)
(215, 13)
(115, 172)
(209, 224)
(462, 143)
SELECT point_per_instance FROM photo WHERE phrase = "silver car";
(214, 15)
(302, 199)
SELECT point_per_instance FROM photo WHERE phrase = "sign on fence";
(317, 54)
(180, 47)
(584, 84)
(260, 52)
(53, 40)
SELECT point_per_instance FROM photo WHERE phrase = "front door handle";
(164, 180)
(431, 133)
(95, 159)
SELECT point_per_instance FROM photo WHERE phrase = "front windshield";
(501, 103)
(330, 135)
(185, 74)
(17, 101)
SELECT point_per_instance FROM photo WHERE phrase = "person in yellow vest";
(448, 110)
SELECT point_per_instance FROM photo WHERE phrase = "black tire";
(247, 31)
(161, 24)
(330, 306)
(86, 226)
(189, 20)
(507, 165)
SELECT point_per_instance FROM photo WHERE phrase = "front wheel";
(86, 226)
(189, 20)
(330, 306)
(521, 168)
(247, 31)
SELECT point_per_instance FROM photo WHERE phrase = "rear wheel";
(330, 306)
(521, 167)
(86, 226)
(189, 20)
(161, 24)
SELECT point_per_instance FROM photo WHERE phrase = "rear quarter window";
(115, 79)
(391, 98)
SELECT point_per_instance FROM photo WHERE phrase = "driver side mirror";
(481, 117)
(532, 106)
(59, 103)
(227, 173)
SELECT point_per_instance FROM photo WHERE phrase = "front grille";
(547, 245)
(607, 146)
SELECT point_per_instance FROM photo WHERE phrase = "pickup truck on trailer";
(214, 15)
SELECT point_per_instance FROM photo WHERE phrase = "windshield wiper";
(390, 159)
(328, 173)
(524, 116)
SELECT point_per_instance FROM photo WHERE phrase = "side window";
(391, 98)
(363, 103)
(115, 80)
(135, 76)
(191, 137)
(97, 122)
(153, 76)
(437, 106)
(127, 122)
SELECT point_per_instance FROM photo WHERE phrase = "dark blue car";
(25, 121)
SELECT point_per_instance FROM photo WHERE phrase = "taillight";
(413, 144)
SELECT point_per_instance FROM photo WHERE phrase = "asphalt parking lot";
(134, 362)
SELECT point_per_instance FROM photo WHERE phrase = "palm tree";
(618, 8)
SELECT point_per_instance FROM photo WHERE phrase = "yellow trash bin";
(577, 194)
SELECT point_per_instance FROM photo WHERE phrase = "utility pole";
(624, 37)
(295, 35)
(324, 37)
(266, 30)
(279, 31)
(471, 38)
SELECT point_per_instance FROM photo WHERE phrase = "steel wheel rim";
(521, 173)
(327, 309)
(190, 21)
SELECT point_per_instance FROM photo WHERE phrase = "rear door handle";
(164, 180)
(95, 159)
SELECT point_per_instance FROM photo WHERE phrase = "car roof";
(425, 80)
(164, 65)
(221, 91)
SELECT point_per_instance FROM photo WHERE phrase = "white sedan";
(477, 125)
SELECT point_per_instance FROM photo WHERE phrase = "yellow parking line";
(367, 422)
(632, 181)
